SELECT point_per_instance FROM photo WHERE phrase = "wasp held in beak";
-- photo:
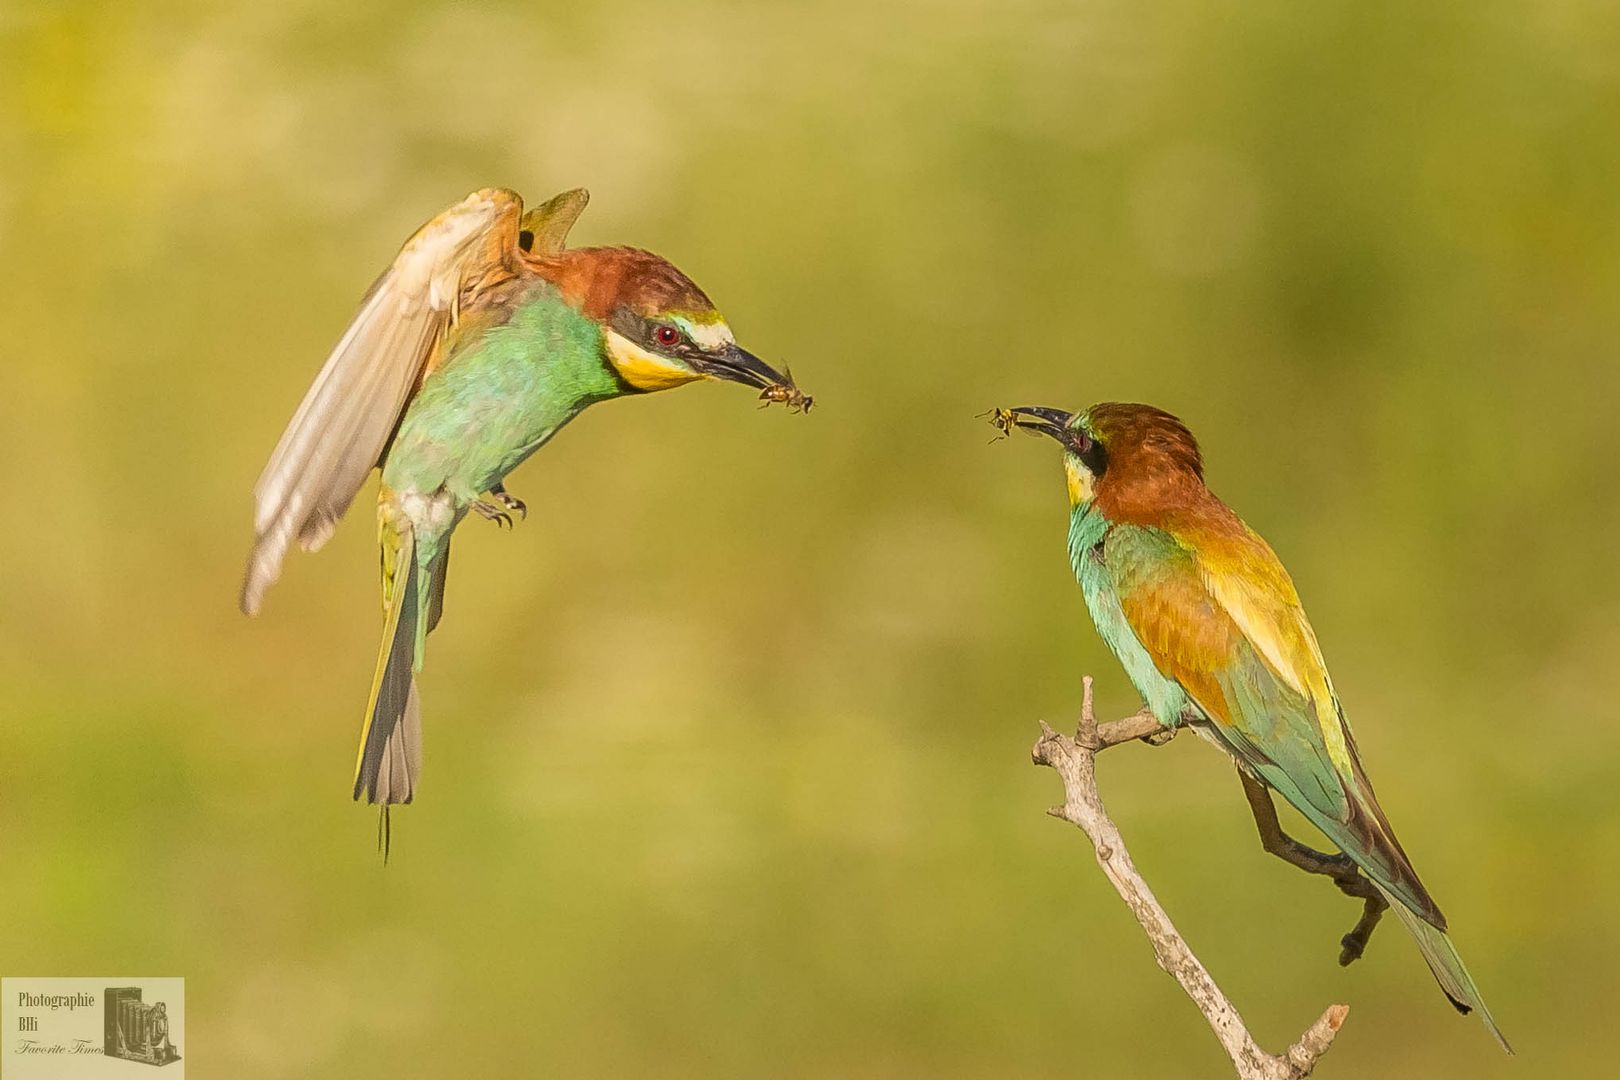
(1053, 422)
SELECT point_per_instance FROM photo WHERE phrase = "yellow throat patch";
(1082, 484)
(644, 370)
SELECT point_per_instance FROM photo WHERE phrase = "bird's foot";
(491, 513)
(1338, 868)
(510, 501)
(1354, 944)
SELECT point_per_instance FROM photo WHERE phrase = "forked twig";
(1074, 761)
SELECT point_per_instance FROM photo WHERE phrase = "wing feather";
(1221, 617)
(548, 224)
(1248, 580)
(340, 429)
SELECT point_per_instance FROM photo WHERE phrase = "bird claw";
(509, 501)
(513, 503)
(489, 513)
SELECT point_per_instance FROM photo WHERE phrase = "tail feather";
(400, 766)
(390, 755)
(438, 571)
(1447, 965)
(1367, 838)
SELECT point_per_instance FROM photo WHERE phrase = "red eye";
(667, 336)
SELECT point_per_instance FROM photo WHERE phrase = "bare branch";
(1340, 868)
(1074, 760)
(1140, 725)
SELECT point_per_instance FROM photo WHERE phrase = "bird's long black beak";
(736, 364)
(1053, 422)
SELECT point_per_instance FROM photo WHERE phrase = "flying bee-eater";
(483, 338)
(1207, 624)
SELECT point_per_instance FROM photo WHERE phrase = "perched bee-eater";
(474, 348)
(1207, 624)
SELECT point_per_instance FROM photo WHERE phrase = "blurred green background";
(728, 743)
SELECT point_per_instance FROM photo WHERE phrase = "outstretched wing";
(346, 419)
(1221, 618)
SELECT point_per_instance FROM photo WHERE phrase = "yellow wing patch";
(1245, 577)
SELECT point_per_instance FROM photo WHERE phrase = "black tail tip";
(385, 832)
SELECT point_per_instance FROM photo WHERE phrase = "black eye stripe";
(1093, 454)
(644, 332)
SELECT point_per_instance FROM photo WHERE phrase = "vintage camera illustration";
(137, 1030)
